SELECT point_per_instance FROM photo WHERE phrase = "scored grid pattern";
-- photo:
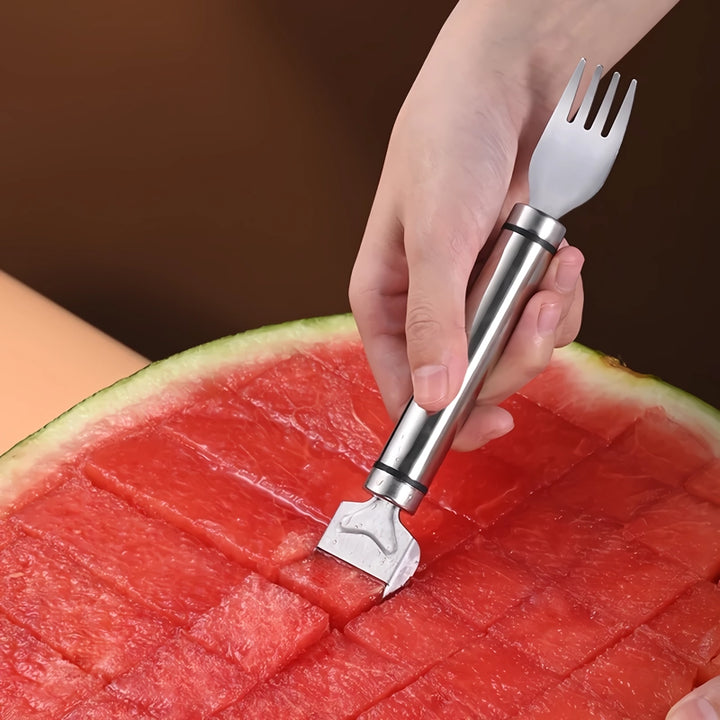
(319, 439)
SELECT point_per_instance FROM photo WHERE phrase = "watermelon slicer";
(569, 165)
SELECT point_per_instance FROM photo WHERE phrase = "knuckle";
(422, 326)
(537, 360)
(536, 365)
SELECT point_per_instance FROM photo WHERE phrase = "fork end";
(568, 97)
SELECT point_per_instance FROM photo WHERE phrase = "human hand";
(703, 703)
(456, 163)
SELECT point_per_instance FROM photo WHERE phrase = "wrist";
(532, 47)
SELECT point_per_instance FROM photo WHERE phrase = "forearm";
(534, 45)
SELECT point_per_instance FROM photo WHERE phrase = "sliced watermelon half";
(157, 547)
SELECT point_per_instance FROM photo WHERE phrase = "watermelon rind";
(165, 384)
(602, 377)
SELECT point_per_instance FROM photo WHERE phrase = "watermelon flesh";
(157, 549)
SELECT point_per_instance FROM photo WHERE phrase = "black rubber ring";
(531, 236)
(401, 476)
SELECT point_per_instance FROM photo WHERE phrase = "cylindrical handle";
(512, 273)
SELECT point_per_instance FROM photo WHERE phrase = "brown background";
(177, 170)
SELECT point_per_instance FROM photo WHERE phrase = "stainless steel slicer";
(570, 164)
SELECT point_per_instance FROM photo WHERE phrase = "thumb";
(435, 318)
(703, 703)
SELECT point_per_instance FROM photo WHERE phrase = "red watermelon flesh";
(260, 626)
(479, 563)
(105, 706)
(489, 677)
(705, 483)
(413, 629)
(36, 678)
(555, 630)
(156, 551)
(335, 678)
(682, 527)
(691, 624)
(708, 671)
(626, 677)
(166, 682)
(160, 565)
(243, 520)
(343, 592)
(72, 611)
(568, 701)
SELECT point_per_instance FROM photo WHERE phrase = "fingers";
(485, 423)
(435, 323)
(550, 319)
(378, 299)
(703, 703)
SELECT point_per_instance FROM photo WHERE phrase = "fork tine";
(584, 111)
(617, 131)
(601, 117)
(562, 109)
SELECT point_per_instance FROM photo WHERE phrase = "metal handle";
(512, 273)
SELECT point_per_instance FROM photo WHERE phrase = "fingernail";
(548, 318)
(567, 276)
(504, 423)
(430, 384)
(698, 708)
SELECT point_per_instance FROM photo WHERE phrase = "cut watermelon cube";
(669, 451)
(104, 706)
(639, 677)
(267, 701)
(705, 483)
(437, 531)
(480, 487)
(566, 393)
(275, 457)
(182, 680)
(541, 444)
(348, 678)
(647, 582)
(568, 701)
(8, 534)
(489, 678)
(243, 521)
(554, 631)
(413, 628)
(73, 612)
(35, 679)
(151, 561)
(416, 702)
(338, 588)
(344, 360)
(260, 626)
(682, 527)
(708, 671)
(291, 389)
(451, 583)
(550, 540)
(609, 484)
(691, 624)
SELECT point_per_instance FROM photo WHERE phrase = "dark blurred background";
(177, 170)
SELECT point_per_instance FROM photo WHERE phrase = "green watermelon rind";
(167, 383)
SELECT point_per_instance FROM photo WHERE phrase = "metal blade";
(369, 536)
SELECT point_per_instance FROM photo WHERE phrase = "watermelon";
(157, 548)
